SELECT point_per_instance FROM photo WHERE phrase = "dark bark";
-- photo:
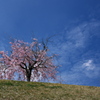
(28, 78)
(28, 75)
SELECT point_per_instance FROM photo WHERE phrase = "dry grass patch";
(19, 90)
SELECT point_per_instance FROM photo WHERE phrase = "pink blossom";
(1, 52)
(28, 60)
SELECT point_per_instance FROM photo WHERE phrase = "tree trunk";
(28, 78)
(28, 75)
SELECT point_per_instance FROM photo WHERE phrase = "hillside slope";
(19, 90)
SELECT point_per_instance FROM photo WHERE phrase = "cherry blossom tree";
(30, 60)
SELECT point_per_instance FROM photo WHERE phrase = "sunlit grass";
(19, 90)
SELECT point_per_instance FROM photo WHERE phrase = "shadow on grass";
(6, 83)
(53, 87)
(42, 85)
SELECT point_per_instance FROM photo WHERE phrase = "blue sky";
(76, 23)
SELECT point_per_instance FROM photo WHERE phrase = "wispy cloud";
(75, 41)
(82, 73)
(77, 52)
(89, 65)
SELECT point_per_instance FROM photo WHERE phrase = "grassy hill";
(19, 90)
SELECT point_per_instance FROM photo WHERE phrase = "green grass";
(19, 90)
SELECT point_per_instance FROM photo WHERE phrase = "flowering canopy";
(30, 60)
